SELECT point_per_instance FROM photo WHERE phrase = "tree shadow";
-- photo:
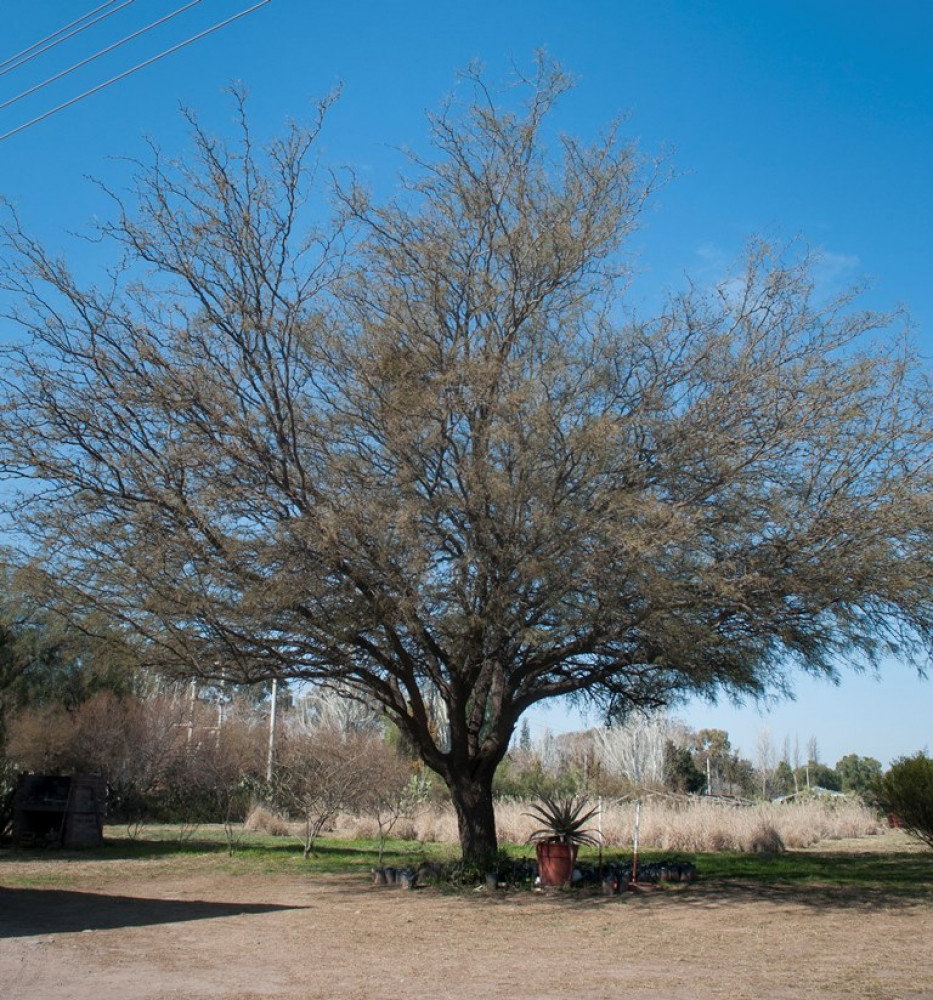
(710, 896)
(865, 898)
(113, 849)
(28, 912)
(350, 856)
(866, 882)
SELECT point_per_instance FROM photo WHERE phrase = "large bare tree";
(427, 455)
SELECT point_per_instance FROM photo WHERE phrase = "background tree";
(789, 758)
(48, 669)
(784, 781)
(712, 751)
(426, 454)
(739, 777)
(822, 776)
(43, 663)
(522, 776)
(858, 774)
(635, 750)
(766, 762)
(524, 738)
(906, 791)
(681, 774)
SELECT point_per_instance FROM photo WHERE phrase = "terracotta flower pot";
(555, 862)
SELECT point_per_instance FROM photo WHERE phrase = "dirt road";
(153, 931)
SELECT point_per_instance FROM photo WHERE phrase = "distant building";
(816, 791)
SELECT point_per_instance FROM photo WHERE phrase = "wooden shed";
(59, 810)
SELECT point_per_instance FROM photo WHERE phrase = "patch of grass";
(207, 848)
(891, 872)
(335, 857)
(903, 873)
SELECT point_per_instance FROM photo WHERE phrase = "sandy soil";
(153, 929)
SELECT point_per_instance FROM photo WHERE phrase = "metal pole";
(635, 843)
(270, 757)
(599, 806)
(192, 697)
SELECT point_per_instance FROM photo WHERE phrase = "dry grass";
(666, 824)
(697, 825)
(262, 819)
(700, 825)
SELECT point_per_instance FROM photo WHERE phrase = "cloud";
(834, 272)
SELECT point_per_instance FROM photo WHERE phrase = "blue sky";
(806, 118)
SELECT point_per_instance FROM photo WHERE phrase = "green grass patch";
(204, 849)
(889, 871)
(208, 848)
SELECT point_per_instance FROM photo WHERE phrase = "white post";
(635, 842)
(272, 713)
(192, 697)
(599, 824)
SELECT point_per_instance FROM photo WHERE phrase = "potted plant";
(560, 835)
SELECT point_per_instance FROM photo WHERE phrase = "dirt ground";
(156, 929)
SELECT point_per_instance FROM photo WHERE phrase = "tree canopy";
(43, 662)
(426, 452)
(858, 774)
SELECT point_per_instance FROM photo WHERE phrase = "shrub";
(906, 790)
(162, 757)
(262, 819)
(320, 773)
(765, 840)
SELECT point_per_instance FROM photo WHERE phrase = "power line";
(133, 69)
(41, 47)
(97, 55)
(48, 38)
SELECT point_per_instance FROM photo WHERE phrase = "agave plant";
(563, 821)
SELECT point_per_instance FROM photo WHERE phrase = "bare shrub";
(40, 739)
(174, 758)
(353, 826)
(320, 773)
(765, 840)
(435, 822)
(392, 790)
(262, 819)
(131, 742)
(407, 829)
(218, 758)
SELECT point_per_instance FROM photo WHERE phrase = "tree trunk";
(472, 799)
